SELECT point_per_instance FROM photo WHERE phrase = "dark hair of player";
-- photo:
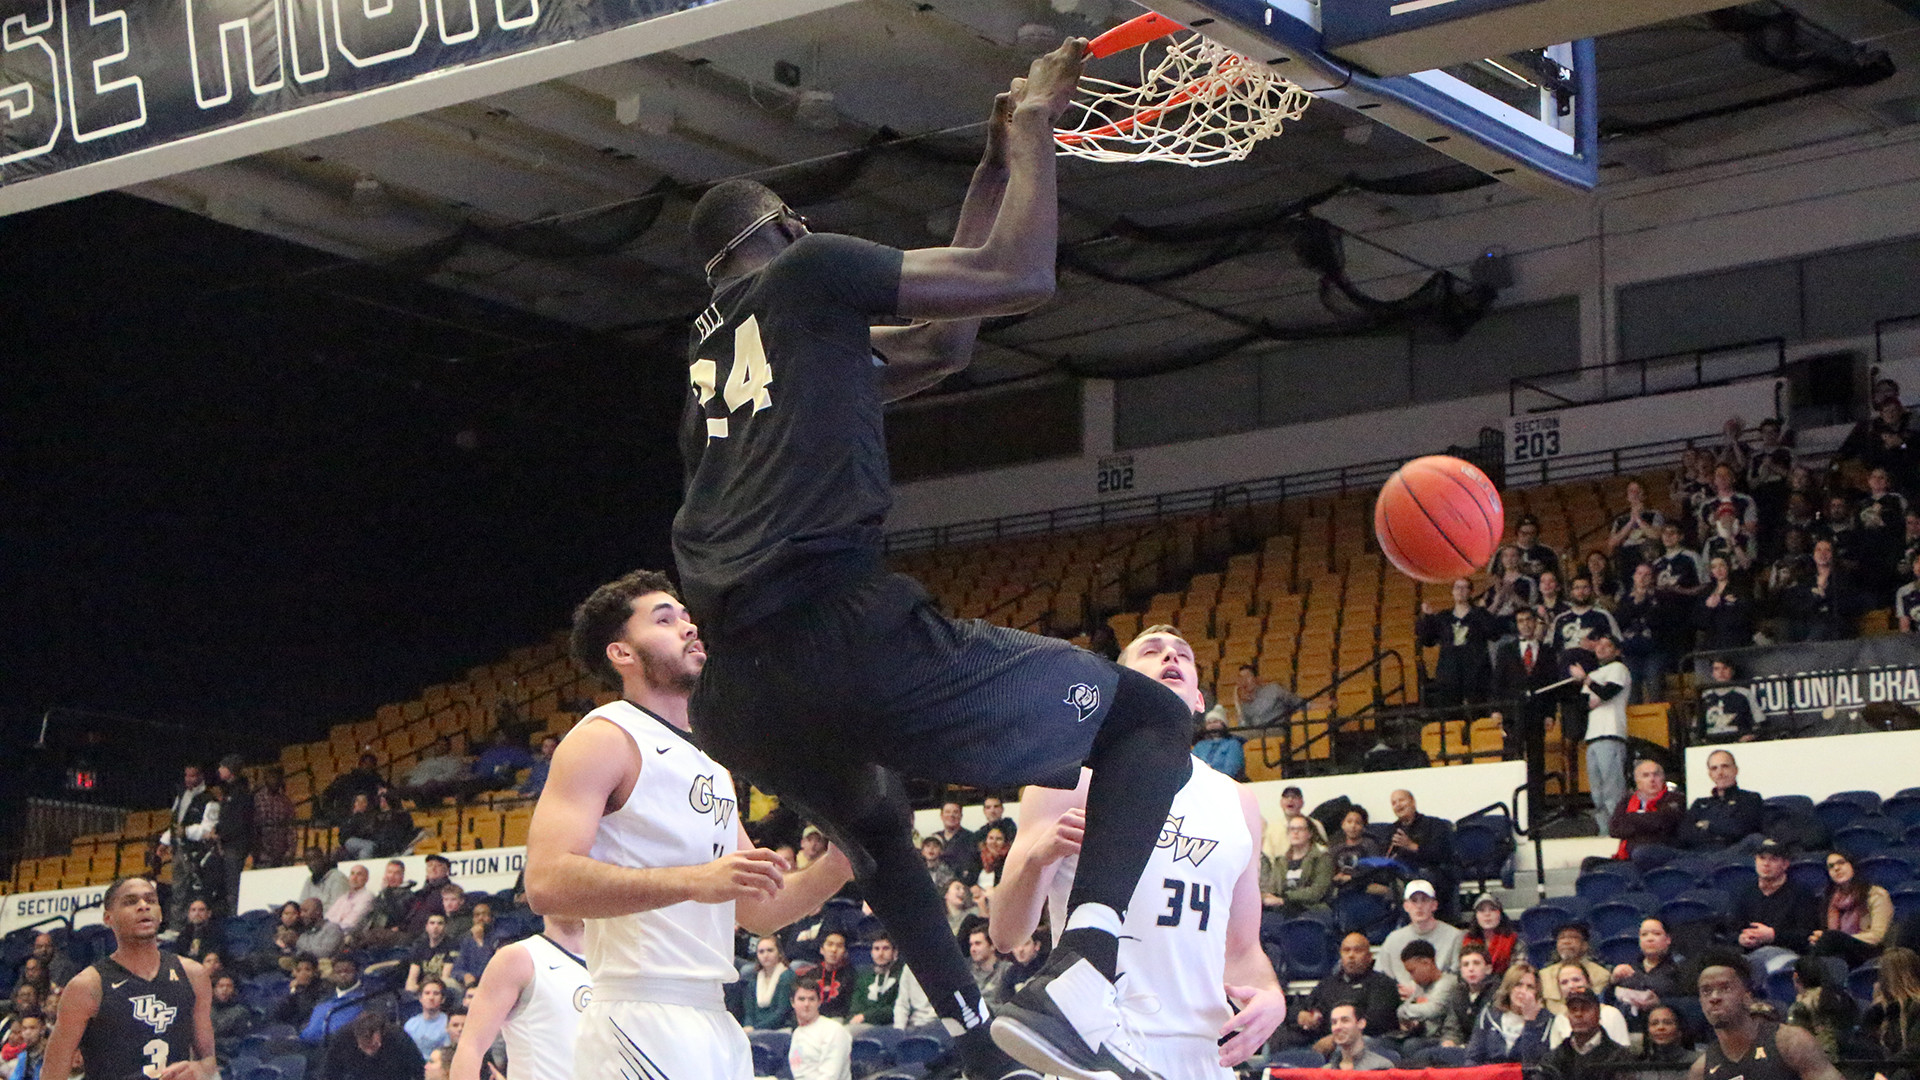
(602, 617)
(727, 208)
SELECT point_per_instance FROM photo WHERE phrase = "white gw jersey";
(1173, 942)
(681, 813)
(541, 1027)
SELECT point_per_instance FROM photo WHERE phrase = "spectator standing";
(1817, 609)
(1571, 950)
(820, 1049)
(273, 827)
(1633, 537)
(195, 817)
(1463, 672)
(1494, 935)
(1725, 540)
(1906, 600)
(1678, 574)
(769, 999)
(1769, 470)
(1726, 815)
(1512, 590)
(1606, 583)
(1536, 557)
(994, 809)
(1725, 495)
(1881, 521)
(1725, 616)
(1728, 710)
(1643, 640)
(1553, 602)
(1649, 815)
(1219, 748)
(1774, 919)
(1858, 915)
(1425, 846)
(1582, 620)
(1607, 690)
(1514, 1030)
(1421, 925)
(234, 832)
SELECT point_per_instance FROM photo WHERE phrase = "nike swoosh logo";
(120, 984)
(555, 967)
(661, 749)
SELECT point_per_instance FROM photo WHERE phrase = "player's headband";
(741, 236)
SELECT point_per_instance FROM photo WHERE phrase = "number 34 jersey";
(1173, 943)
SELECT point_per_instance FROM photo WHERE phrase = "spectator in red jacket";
(1649, 815)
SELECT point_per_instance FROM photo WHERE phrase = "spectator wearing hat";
(1773, 919)
(1726, 815)
(1570, 947)
(1493, 934)
(1420, 903)
(1293, 802)
(1572, 981)
(1587, 1052)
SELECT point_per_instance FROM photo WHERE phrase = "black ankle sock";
(1101, 949)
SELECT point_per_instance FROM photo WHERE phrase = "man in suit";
(1526, 664)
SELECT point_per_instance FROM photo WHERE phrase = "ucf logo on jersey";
(703, 800)
(154, 1013)
(1191, 849)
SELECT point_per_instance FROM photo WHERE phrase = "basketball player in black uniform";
(826, 676)
(142, 1013)
(1745, 1047)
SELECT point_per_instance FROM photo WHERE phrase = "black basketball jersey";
(1762, 1060)
(786, 456)
(142, 1026)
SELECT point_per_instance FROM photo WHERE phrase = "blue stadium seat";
(1541, 953)
(902, 1072)
(1866, 837)
(1310, 946)
(1606, 881)
(1357, 912)
(1790, 804)
(1619, 949)
(1732, 877)
(1541, 921)
(1889, 869)
(1648, 856)
(1906, 901)
(1670, 881)
(869, 1056)
(1385, 1051)
(239, 1066)
(263, 1072)
(1480, 848)
(1301, 1057)
(1861, 981)
(1694, 906)
(1903, 806)
(1780, 987)
(1447, 1057)
(1841, 809)
(1614, 918)
(291, 1066)
(1809, 874)
(1910, 836)
(917, 1049)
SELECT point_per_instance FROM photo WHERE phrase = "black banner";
(1823, 687)
(83, 81)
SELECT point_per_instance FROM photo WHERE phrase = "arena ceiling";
(566, 199)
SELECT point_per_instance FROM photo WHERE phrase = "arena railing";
(1647, 376)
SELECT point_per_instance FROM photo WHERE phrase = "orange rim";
(1132, 34)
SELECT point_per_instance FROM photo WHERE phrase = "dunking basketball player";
(533, 992)
(826, 676)
(141, 1013)
(636, 832)
(1192, 934)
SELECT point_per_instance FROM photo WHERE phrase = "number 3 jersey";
(786, 458)
(680, 813)
(143, 1026)
(1173, 943)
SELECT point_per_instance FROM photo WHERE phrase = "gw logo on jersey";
(154, 1013)
(701, 797)
(1191, 849)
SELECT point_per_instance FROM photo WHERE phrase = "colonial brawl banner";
(1821, 688)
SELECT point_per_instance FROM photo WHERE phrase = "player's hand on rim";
(1052, 78)
(742, 875)
(1261, 1011)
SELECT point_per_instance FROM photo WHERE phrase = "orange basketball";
(1438, 518)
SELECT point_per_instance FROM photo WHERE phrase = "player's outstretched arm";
(802, 893)
(1051, 825)
(1013, 271)
(507, 975)
(78, 1004)
(1251, 983)
(592, 766)
(921, 355)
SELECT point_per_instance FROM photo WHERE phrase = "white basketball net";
(1201, 104)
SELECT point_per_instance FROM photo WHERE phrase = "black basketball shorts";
(870, 673)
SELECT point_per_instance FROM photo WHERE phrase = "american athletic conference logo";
(1085, 699)
(154, 1013)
